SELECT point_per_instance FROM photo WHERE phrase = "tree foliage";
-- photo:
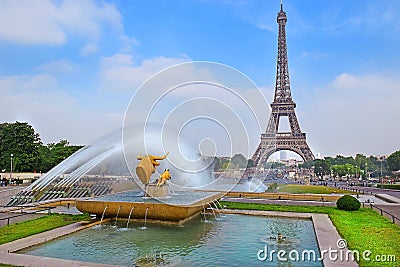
(322, 167)
(29, 153)
(54, 153)
(239, 160)
(229, 166)
(393, 161)
(20, 140)
(359, 166)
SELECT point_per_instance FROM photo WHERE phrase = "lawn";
(311, 189)
(363, 229)
(27, 228)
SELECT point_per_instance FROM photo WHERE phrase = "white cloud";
(58, 66)
(127, 43)
(25, 96)
(89, 49)
(355, 113)
(258, 14)
(53, 113)
(120, 73)
(316, 55)
(49, 22)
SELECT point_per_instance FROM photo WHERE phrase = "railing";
(357, 190)
(25, 213)
(395, 219)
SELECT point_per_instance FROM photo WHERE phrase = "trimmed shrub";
(272, 188)
(348, 202)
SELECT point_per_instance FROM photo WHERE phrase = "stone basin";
(176, 208)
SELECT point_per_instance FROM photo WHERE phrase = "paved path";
(7, 192)
(373, 190)
(392, 212)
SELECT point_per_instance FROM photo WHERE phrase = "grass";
(363, 229)
(27, 228)
(311, 189)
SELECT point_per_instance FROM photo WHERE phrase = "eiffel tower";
(283, 106)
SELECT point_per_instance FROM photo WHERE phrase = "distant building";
(283, 155)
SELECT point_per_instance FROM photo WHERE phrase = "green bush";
(389, 186)
(348, 202)
(272, 188)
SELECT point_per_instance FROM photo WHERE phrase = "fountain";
(129, 217)
(116, 217)
(87, 176)
(173, 208)
(145, 219)
(230, 241)
(102, 215)
(185, 186)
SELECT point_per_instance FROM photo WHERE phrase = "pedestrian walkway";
(390, 211)
(7, 192)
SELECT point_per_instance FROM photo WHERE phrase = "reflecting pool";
(210, 240)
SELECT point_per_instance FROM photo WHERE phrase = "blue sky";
(70, 67)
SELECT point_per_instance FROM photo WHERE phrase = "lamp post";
(11, 167)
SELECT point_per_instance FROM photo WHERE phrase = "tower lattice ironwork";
(282, 106)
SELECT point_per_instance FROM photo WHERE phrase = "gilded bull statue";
(147, 166)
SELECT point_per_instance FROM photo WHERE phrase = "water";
(233, 240)
(85, 160)
(145, 219)
(212, 209)
(179, 198)
(204, 214)
(129, 218)
(116, 217)
(102, 216)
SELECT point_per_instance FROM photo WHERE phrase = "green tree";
(21, 140)
(274, 165)
(217, 163)
(393, 161)
(239, 160)
(250, 163)
(307, 165)
(338, 170)
(54, 153)
(349, 168)
(322, 167)
(228, 166)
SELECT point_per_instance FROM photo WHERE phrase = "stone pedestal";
(153, 191)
